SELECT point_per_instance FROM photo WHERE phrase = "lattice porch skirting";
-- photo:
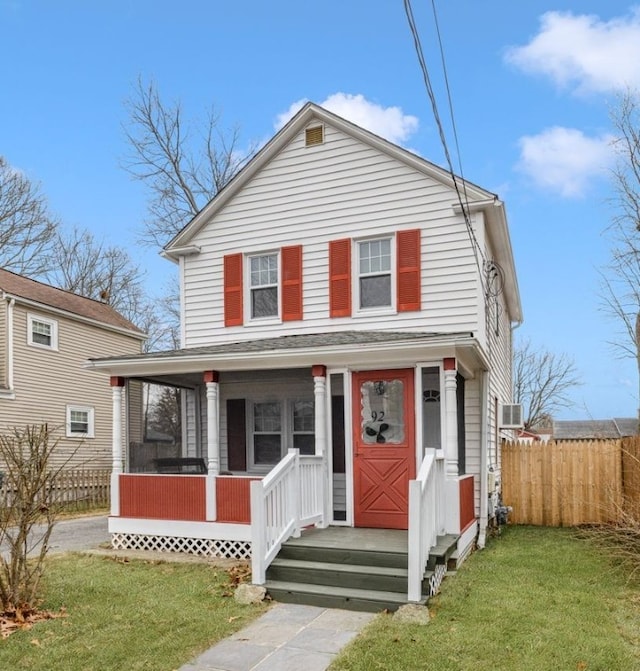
(204, 547)
(436, 579)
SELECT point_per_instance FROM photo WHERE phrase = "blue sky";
(531, 82)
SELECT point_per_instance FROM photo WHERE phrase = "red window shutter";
(233, 290)
(408, 263)
(236, 434)
(291, 283)
(340, 278)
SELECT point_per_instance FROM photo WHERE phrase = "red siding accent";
(233, 499)
(291, 283)
(467, 502)
(408, 262)
(233, 290)
(116, 381)
(340, 278)
(449, 363)
(163, 497)
(210, 376)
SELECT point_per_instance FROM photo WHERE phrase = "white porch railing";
(426, 517)
(288, 498)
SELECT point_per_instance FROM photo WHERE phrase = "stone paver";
(288, 637)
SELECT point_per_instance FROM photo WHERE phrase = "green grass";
(126, 616)
(535, 599)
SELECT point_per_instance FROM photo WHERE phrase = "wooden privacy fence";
(567, 483)
(77, 489)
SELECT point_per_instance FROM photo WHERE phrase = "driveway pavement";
(79, 533)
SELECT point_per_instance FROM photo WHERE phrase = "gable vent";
(511, 416)
(313, 136)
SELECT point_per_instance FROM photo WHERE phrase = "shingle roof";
(292, 342)
(594, 428)
(32, 290)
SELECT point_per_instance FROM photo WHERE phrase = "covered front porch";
(286, 447)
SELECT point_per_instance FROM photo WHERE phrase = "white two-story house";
(347, 313)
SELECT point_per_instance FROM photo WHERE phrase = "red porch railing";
(163, 497)
(233, 499)
(467, 502)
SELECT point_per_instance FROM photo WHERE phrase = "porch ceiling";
(353, 349)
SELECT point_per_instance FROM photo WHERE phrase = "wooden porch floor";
(387, 540)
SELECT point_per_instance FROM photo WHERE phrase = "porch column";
(211, 378)
(320, 397)
(117, 387)
(451, 483)
(451, 418)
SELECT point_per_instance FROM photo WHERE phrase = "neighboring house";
(334, 301)
(594, 429)
(46, 335)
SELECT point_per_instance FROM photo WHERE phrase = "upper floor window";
(374, 279)
(79, 421)
(42, 332)
(263, 281)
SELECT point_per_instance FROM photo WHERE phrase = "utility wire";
(427, 81)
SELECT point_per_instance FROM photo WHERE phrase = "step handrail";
(426, 517)
(289, 497)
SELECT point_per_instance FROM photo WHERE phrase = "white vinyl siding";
(46, 381)
(340, 189)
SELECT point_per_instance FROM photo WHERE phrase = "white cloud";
(564, 160)
(583, 52)
(389, 122)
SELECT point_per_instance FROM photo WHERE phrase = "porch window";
(303, 426)
(276, 426)
(267, 433)
(263, 282)
(374, 281)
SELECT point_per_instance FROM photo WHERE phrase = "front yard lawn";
(126, 615)
(536, 599)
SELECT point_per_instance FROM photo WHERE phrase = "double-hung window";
(42, 332)
(275, 426)
(267, 433)
(263, 283)
(80, 421)
(303, 426)
(374, 273)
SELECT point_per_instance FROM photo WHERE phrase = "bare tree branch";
(182, 165)
(541, 382)
(26, 226)
(621, 277)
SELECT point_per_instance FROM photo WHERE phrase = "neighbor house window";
(79, 421)
(374, 273)
(263, 284)
(42, 332)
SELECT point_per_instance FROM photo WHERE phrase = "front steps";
(354, 569)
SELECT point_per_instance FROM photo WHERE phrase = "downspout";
(484, 452)
(9, 378)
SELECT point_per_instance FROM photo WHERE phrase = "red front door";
(384, 447)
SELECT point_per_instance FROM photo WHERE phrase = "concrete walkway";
(287, 637)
